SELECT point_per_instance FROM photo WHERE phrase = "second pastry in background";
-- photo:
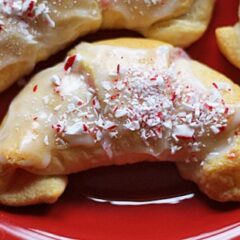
(31, 31)
(228, 39)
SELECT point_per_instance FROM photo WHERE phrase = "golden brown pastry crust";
(218, 177)
(24, 188)
(185, 29)
(228, 39)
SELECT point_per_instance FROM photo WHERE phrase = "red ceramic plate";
(144, 201)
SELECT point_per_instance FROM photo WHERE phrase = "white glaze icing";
(32, 30)
(30, 34)
(74, 105)
(142, 14)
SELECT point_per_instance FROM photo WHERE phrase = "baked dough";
(228, 39)
(31, 30)
(184, 29)
(21, 188)
(119, 102)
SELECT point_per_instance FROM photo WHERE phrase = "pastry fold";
(31, 31)
(21, 188)
(228, 39)
(120, 102)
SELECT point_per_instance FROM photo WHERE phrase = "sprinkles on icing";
(25, 10)
(156, 104)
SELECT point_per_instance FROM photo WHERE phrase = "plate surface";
(144, 201)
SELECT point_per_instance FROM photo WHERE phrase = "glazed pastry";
(31, 30)
(177, 22)
(119, 102)
(228, 39)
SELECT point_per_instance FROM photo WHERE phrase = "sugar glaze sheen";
(144, 101)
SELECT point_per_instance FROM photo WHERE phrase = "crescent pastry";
(120, 102)
(32, 30)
